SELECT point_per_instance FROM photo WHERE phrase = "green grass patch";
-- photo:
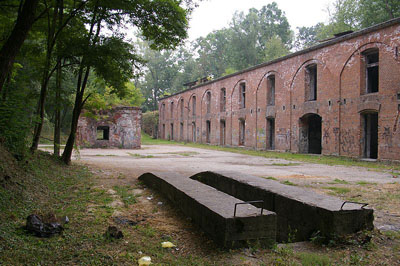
(365, 183)
(284, 164)
(127, 197)
(189, 153)
(338, 190)
(287, 182)
(313, 259)
(308, 158)
(339, 181)
(270, 177)
(141, 156)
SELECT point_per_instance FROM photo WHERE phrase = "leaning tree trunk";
(17, 37)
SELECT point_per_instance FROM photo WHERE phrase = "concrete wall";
(340, 105)
(122, 123)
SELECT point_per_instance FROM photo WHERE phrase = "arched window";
(208, 101)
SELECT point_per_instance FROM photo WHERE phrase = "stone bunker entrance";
(310, 134)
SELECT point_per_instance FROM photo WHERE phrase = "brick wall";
(344, 119)
(119, 127)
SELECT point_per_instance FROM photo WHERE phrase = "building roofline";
(307, 50)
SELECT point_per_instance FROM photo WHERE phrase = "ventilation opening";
(103, 133)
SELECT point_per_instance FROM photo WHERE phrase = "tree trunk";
(57, 113)
(17, 37)
(45, 81)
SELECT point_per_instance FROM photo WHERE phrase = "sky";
(216, 14)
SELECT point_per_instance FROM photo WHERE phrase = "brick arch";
(357, 51)
(302, 65)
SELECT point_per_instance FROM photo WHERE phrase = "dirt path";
(379, 189)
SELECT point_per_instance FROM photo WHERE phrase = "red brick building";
(119, 127)
(341, 97)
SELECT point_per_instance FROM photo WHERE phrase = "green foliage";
(229, 71)
(150, 123)
(275, 49)
(312, 259)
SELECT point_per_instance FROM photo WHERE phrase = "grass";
(287, 182)
(271, 178)
(308, 158)
(189, 153)
(339, 181)
(312, 259)
(338, 190)
(365, 183)
(285, 164)
(141, 156)
(127, 197)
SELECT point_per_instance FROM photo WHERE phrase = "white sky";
(216, 14)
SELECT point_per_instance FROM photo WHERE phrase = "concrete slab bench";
(300, 212)
(213, 211)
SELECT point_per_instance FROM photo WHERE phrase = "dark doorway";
(181, 131)
(172, 131)
(270, 133)
(370, 135)
(103, 133)
(208, 131)
(222, 133)
(194, 132)
(310, 134)
(163, 132)
(242, 130)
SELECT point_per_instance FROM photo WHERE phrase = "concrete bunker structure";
(119, 127)
(340, 97)
(210, 199)
(225, 219)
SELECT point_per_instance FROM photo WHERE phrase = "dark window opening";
(163, 111)
(208, 131)
(163, 132)
(271, 90)
(103, 133)
(311, 82)
(182, 108)
(370, 135)
(172, 110)
(398, 96)
(194, 105)
(223, 100)
(242, 95)
(270, 133)
(242, 130)
(208, 102)
(222, 132)
(372, 70)
(172, 131)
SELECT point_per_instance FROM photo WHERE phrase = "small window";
(271, 90)
(172, 110)
(172, 131)
(181, 131)
(242, 96)
(103, 133)
(371, 59)
(194, 105)
(208, 101)
(311, 82)
(242, 130)
(194, 132)
(223, 100)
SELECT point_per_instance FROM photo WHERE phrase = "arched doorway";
(310, 134)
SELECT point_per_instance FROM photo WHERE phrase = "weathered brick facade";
(119, 127)
(341, 97)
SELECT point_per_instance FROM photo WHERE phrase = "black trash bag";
(34, 224)
(113, 232)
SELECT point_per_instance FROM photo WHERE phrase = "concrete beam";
(300, 212)
(213, 211)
